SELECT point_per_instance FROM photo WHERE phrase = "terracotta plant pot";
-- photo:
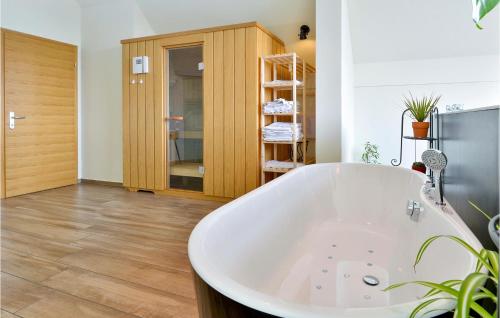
(420, 129)
(419, 166)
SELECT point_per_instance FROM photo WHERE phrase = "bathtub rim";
(273, 305)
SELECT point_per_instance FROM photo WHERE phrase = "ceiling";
(166, 16)
(395, 30)
(381, 30)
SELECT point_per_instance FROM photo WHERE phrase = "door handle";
(12, 119)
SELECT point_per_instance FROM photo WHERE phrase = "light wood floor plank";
(122, 295)
(29, 267)
(18, 293)
(59, 305)
(6, 314)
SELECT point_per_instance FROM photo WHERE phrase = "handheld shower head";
(436, 161)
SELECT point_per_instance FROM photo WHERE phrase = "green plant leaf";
(484, 255)
(441, 288)
(479, 209)
(467, 290)
(449, 283)
(445, 289)
(420, 108)
(488, 294)
(426, 303)
(484, 261)
(480, 8)
(493, 258)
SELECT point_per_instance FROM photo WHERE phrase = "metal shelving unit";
(432, 139)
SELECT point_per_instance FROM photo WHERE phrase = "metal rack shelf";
(432, 139)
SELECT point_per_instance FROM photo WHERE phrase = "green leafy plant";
(483, 213)
(420, 108)
(480, 8)
(467, 292)
(371, 154)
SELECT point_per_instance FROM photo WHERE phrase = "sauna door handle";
(12, 119)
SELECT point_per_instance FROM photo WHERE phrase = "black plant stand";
(433, 138)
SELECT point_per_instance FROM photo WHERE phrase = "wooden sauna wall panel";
(126, 113)
(138, 119)
(150, 118)
(252, 106)
(239, 112)
(208, 114)
(232, 109)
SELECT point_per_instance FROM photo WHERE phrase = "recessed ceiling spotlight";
(304, 31)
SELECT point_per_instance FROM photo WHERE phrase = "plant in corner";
(371, 154)
(420, 109)
(469, 293)
(419, 166)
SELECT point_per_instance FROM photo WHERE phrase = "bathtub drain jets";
(370, 280)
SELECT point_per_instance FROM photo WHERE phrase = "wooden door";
(40, 88)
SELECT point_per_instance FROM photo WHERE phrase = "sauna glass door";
(185, 118)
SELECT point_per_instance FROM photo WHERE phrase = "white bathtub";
(300, 245)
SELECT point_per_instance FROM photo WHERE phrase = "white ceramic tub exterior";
(299, 246)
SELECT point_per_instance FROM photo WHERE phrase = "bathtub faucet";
(414, 209)
(436, 161)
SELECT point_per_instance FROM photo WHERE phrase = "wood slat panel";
(239, 112)
(150, 118)
(39, 71)
(218, 141)
(141, 121)
(229, 113)
(160, 147)
(2, 121)
(126, 114)
(208, 115)
(251, 104)
(133, 115)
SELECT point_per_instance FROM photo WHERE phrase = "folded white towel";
(275, 164)
(281, 131)
(278, 106)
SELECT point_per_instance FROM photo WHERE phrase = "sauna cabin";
(191, 110)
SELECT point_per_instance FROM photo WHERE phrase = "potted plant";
(371, 154)
(468, 292)
(419, 166)
(420, 110)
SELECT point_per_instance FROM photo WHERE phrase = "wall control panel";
(140, 64)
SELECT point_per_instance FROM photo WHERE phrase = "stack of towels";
(275, 164)
(279, 106)
(279, 131)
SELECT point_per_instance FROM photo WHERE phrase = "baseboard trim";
(100, 182)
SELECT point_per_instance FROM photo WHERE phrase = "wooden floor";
(97, 251)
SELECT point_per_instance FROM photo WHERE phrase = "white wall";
(334, 82)
(104, 26)
(379, 87)
(328, 80)
(52, 19)
(347, 88)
